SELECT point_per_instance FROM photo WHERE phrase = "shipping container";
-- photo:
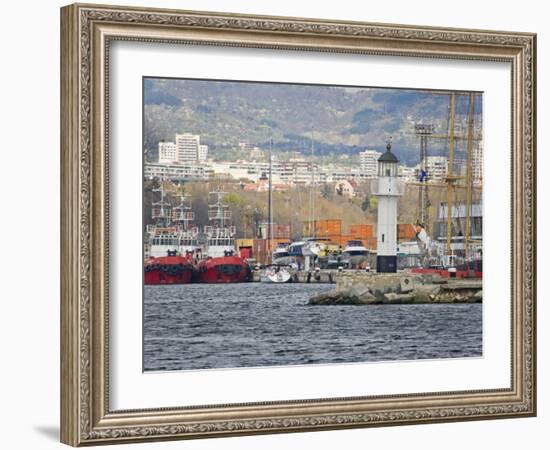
(405, 232)
(279, 230)
(348, 237)
(324, 227)
(245, 242)
(245, 252)
(362, 231)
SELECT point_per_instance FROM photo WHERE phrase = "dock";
(368, 288)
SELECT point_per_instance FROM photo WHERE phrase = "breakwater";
(364, 288)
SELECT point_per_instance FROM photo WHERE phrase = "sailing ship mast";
(450, 176)
(270, 207)
(469, 177)
(312, 226)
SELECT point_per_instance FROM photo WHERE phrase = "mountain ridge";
(338, 119)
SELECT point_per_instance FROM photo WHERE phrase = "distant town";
(186, 159)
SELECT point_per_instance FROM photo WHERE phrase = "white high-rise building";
(167, 152)
(406, 173)
(477, 163)
(436, 168)
(369, 162)
(187, 145)
(203, 153)
(387, 189)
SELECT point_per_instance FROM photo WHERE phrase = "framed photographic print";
(277, 224)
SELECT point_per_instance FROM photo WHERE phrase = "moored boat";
(223, 269)
(276, 274)
(355, 253)
(469, 269)
(165, 263)
(170, 269)
(281, 255)
(221, 263)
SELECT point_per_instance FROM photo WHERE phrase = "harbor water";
(209, 326)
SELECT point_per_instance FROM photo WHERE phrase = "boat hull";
(473, 269)
(168, 270)
(277, 275)
(355, 260)
(223, 269)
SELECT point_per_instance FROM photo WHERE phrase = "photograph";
(276, 222)
(294, 224)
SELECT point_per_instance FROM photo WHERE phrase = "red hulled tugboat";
(221, 263)
(172, 244)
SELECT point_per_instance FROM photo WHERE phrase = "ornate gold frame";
(86, 31)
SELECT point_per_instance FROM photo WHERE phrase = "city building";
(167, 152)
(477, 163)
(406, 173)
(458, 220)
(187, 146)
(345, 188)
(436, 166)
(177, 172)
(203, 153)
(369, 162)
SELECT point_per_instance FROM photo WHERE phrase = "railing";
(183, 215)
(160, 213)
(219, 215)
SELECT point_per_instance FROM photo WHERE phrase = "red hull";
(168, 270)
(446, 274)
(225, 269)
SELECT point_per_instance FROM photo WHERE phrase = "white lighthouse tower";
(388, 190)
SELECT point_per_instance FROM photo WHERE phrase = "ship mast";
(270, 207)
(312, 226)
(161, 209)
(469, 178)
(450, 179)
(183, 213)
(218, 212)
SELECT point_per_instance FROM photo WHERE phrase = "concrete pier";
(362, 288)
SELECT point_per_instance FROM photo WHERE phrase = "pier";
(364, 288)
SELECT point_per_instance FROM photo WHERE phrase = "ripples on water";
(205, 326)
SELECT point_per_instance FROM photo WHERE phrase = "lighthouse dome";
(387, 163)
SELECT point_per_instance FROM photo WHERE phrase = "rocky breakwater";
(402, 288)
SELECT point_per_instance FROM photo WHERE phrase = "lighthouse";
(387, 189)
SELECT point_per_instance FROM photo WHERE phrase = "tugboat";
(221, 264)
(165, 264)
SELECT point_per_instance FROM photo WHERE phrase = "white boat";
(355, 253)
(276, 274)
(281, 255)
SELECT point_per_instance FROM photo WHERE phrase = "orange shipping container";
(325, 227)
(405, 232)
(281, 231)
(362, 231)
